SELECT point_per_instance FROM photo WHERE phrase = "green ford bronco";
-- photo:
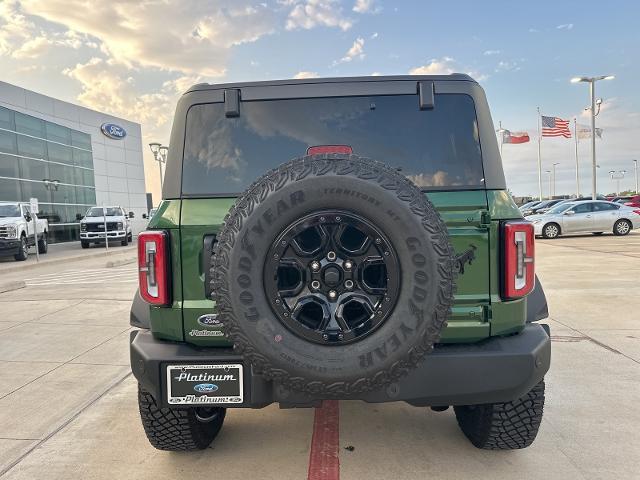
(343, 238)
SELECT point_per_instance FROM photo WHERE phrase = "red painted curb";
(324, 463)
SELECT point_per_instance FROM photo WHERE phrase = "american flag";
(555, 127)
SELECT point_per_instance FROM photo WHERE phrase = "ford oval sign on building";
(114, 131)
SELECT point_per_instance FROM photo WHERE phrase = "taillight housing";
(518, 252)
(153, 267)
(319, 149)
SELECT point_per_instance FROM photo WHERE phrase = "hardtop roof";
(453, 77)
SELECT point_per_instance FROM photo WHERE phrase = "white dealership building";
(69, 157)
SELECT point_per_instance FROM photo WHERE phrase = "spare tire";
(333, 275)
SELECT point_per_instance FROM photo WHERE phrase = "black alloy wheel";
(332, 277)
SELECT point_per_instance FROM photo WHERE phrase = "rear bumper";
(498, 369)
(9, 246)
(99, 236)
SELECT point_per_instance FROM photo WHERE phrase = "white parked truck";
(17, 232)
(114, 219)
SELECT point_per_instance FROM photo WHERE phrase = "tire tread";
(175, 429)
(503, 426)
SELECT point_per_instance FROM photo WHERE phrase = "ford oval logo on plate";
(114, 131)
(205, 388)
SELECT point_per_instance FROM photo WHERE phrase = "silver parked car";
(593, 216)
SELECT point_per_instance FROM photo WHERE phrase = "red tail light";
(329, 149)
(637, 211)
(153, 265)
(518, 259)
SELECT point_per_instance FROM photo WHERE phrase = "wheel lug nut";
(348, 284)
(325, 336)
(348, 265)
(315, 284)
(331, 256)
(378, 241)
(338, 219)
(332, 294)
(315, 266)
(340, 336)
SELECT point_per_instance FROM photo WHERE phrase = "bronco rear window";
(438, 148)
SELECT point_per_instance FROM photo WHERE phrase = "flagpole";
(539, 160)
(575, 133)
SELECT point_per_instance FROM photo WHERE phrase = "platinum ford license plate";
(204, 384)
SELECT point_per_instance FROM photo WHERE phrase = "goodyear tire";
(392, 208)
(178, 430)
(503, 426)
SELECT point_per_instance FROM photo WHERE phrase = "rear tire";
(176, 429)
(43, 244)
(84, 244)
(503, 426)
(23, 253)
(551, 230)
(621, 227)
(124, 242)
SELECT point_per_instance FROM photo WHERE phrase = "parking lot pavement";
(69, 411)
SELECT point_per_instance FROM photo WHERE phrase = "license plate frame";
(205, 384)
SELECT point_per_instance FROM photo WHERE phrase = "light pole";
(592, 91)
(554, 178)
(635, 168)
(617, 176)
(549, 172)
(156, 149)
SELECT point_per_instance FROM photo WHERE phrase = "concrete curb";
(10, 286)
(21, 266)
(118, 263)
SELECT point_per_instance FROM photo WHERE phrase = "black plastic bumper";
(9, 247)
(495, 370)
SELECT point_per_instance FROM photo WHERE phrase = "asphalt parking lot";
(68, 402)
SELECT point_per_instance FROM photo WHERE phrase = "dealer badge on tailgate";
(204, 384)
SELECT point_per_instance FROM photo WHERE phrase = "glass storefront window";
(87, 177)
(80, 139)
(61, 173)
(58, 133)
(40, 159)
(82, 158)
(9, 166)
(9, 190)
(7, 119)
(32, 147)
(8, 142)
(33, 169)
(29, 125)
(32, 189)
(64, 194)
(60, 153)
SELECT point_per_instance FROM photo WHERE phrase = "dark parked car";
(541, 207)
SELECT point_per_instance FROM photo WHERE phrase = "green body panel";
(166, 322)
(200, 217)
(472, 218)
(465, 214)
(506, 317)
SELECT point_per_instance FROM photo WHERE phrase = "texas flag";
(514, 137)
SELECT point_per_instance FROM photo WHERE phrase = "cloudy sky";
(133, 58)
